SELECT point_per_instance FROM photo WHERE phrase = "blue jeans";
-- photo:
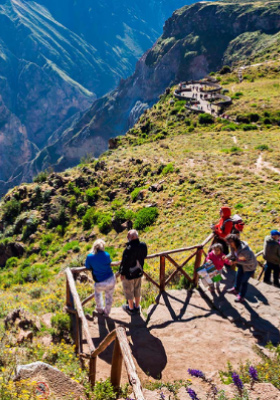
(241, 280)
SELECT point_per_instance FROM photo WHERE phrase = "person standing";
(246, 262)
(99, 263)
(223, 228)
(271, 253)
(131, 271)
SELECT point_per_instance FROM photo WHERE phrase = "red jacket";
(223, 229)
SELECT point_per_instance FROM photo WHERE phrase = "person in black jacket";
(131, 271)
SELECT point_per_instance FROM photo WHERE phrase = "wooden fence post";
(92, 371)
(77, 336)
(162, 274)
(116, 370)
(197, 264)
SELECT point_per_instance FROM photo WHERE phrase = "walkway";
(183, 331)
(259, 315)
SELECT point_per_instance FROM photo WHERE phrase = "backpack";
(237, 224)
(136, 272)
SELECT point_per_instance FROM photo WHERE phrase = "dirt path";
(260, 164)
(181, 332)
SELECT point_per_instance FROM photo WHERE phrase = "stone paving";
(260, 313)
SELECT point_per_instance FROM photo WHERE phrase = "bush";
(254, 117)
(243, 118)
(135, 192)
(41, 177)
(72, 204)
(104, 391)
(168, 169)
(249, 127)
(262, 147)
(92, 195)
(34, 273)
(11, 262)
(11, 210)
(145, 217)
(225, 70)
(81, 210)
(30, 227)
(89, 218)
(61, 323)
(205, 119)
(105, 223)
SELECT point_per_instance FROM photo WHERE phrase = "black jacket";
(135, 250)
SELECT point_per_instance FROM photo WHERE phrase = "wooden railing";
(121, 350)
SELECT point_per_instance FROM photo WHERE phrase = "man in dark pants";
(271, 253)
(131, 271)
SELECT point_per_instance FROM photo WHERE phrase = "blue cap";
(274, 232)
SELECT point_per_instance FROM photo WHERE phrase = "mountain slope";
(196, 40)
(49, 72)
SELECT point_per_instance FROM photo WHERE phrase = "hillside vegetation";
(168, 176)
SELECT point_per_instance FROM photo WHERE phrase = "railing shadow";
(262, 329)
(105, 326)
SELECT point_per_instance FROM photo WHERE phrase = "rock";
(113, 143)
(83, 277)
(60, 386)
(24, 320)
(46, 319)
(156, 187)
(12, 249)
(92, 235)
(100, 166)
(24, 336)
(46, 340)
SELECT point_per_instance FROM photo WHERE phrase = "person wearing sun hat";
(271, 253)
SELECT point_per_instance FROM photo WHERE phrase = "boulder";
(156, 187)
(54, 382)
(24, 336)
(113, 143)
(23, 319)
(12, 249)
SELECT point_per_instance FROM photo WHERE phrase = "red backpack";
(237, 224)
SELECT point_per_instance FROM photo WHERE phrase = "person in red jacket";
(223, 228)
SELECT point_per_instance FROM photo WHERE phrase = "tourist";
(242, 256)
(131, 271)
(271, 253)
(99, 263)
(218, 259)
(223, 228)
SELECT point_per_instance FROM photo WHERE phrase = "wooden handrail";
(105, 343)
(129, 364)
(79, 308)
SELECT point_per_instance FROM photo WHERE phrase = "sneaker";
(239, 299)
(126, 308)
(137, 310)
(232, 290)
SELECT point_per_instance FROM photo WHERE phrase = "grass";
(201, 167)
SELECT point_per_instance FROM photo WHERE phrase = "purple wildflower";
(162, 397)
(192, 394)
(253, 373)
(197, 373)
(237, 381)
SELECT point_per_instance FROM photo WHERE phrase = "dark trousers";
(276, 269)
(241, 280)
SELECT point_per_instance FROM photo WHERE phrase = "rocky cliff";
(196, 40)
(56, 58)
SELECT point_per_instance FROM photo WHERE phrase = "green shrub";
(30, 227)
(205, 119)
(41, 177)
(225, 70)
(104, 391)
(145, 217)
(262, 147)
(81, 210)
(36, 292)
(249, 127)
(104, 223)
(254, 117)
(267, 121)
(72, 204)
(70, 246)
(61, 323)
(135, 192)
(168, 169)
(11, 209)
(34, 273)
(89, 218)
(11, 263)
(92, 195)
